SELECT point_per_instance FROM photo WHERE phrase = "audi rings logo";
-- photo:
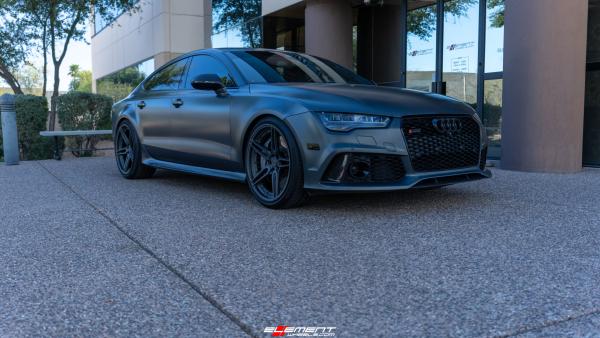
(447, 125)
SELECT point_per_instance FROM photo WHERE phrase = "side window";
(168, 78)
(204, 64)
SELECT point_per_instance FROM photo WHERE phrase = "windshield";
(261, 66)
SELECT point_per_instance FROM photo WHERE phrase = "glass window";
(461, 52)
(276, 67)
(119, 84)
(204, 64)
(237, 23)
(168, 78)
(492, 114)
(421, 43)
(494, 36)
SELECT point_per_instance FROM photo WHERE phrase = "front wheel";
(274, 165)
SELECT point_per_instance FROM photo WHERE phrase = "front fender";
(247, 111)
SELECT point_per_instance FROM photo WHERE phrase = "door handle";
(177, 103)
(141, 105)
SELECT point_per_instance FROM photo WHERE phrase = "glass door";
(455, 48)
(460, 50)
(492, 78)
(421, 43)
(591, 130)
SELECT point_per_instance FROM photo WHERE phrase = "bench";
(66, 133)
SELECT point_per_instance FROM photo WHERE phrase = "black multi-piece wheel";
(274, 165)
(128, 153)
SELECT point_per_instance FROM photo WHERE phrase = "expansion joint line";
(220, 307)
(549, 323)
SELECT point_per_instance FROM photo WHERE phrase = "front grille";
(433, 148)
(365, 168)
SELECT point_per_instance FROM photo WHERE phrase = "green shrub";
(32, 117)
(84, 111)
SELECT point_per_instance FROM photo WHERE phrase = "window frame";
(187, 60)
(189, 67)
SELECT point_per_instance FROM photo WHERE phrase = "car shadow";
(457, 196)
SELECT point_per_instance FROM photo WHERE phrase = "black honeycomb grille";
(433, 149)
(386, 168)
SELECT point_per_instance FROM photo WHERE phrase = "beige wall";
(162, 29)
(544, 85)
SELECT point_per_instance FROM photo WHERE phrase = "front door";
(200, 123)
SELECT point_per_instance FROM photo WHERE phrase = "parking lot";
(87, 253)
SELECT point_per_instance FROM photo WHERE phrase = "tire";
(273, 164)
(128, 153)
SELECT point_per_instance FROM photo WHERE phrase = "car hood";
(387, 101)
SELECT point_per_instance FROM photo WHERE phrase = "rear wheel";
(274, 166)
(128, 153)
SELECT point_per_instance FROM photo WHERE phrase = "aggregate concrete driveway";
(84, 252)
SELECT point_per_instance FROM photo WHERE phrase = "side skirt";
(228, 175)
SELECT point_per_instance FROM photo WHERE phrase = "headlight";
(349, 121)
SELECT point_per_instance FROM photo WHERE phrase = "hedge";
(32, 117)
(84, 111)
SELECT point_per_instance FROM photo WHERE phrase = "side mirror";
(210, 82)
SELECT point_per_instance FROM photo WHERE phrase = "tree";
(496, 10)
(422, 21)
(27, 31)
(242, 14)
(12, 54)
(58, 22)
(29, 78)
(81, 80)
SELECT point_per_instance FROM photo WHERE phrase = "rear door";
(200, 123)
(155, 108)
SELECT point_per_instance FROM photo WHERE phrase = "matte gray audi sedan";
(290, 124)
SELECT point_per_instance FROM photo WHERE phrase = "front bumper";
(319, 147)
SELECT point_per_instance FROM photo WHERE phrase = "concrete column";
(544, 85)
(10, 138)
(329, 30)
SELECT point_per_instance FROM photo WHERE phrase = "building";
(530, 68)
(150, 37)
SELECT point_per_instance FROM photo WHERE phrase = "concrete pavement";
(85, 252)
